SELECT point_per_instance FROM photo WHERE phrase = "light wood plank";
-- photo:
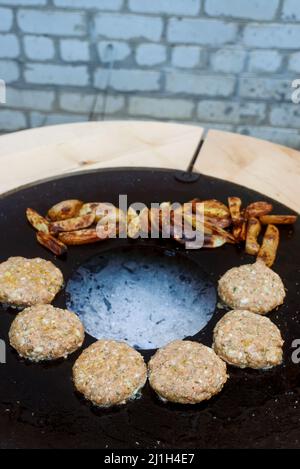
(32, 155)
(268, 168)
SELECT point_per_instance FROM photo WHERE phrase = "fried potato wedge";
(214, 211)
(278, 219)
(37, 221)
(240, 231)
(64, 210)
(115, 220)
(72, 224)
(87, 236)
(268, 249)
(209, 228)
(258, 209)
(54, 245)
(214, 241)
(155, 221)
(100, 209)
(133, 223)
(234, 204)
(253, 230)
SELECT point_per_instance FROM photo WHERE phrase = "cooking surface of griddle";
(38, 405)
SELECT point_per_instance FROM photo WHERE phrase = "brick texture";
(226, 64)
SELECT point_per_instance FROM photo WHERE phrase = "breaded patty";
(109, 373)
(254, 287)
(28, 282)
(246, 339)
(43, 332)
(186, 372)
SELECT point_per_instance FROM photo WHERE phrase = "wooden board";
(268, 168)
(36, 154)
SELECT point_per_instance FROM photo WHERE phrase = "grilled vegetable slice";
(54, 245)
(278, 219)
(269, 245)
(72, 224)
(64, 210)
(37, 221)
(253, 230)
(258, 209)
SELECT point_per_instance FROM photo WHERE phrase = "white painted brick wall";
(73, 50)
(119, 50)
(86, 103)
(201, 85)
(38, 47)
(231, 112)
(128, 80)
(150, 54)
(124, 26)
(6, 19)
(57, 74)
(161, 108)
(12, 120)
(249, 9)
(186, 56)
(294, 62)
(281, 36)
(200, 31)
(287, 115)
(9, 46)
(228, 60)
(173, 7)
(55, 23)
(264, 61)
(222, 63)
(291, 10)
(30, 99)
(265, 88)
(95, 4)
(9, 71)
(26, 3)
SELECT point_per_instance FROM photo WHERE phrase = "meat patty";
(254, 287)
(246, 339)
(186, 372)
(109, 373)
(28, 282)
(43, 332)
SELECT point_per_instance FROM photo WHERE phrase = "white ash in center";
(145, 297)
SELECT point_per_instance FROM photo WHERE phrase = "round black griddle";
(38, 405)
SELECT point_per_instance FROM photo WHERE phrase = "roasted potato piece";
(54, 245)
(278, 219)
(253, 230)
(100, 209)
(87, 236)
(269, 245)
(37, 221)
(234, 204)
(214, 241)
(155, 220)
(64, 210)
(240, 231)
(214, 211)
(72, 224)
(258, 209)
(134, 228)
(133, 223)
(114, 221)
